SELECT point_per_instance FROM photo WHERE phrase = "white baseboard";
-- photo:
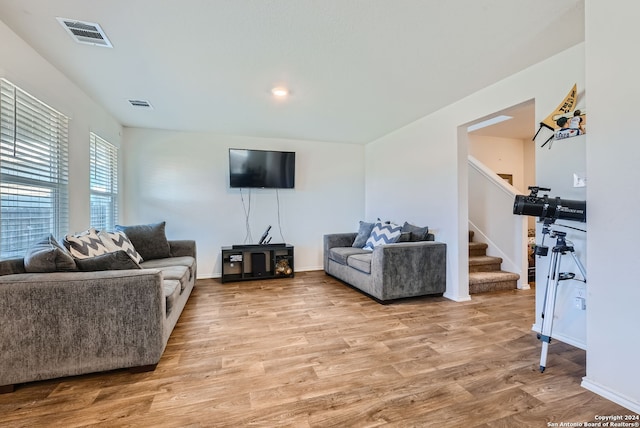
(208, 276)
(610, 395)
(457, 298)
(562, 338)
(309, 268)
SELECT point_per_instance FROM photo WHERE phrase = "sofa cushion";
(340, 254)
(168, 261)
(115, 241)
(417, 233)
(47, 255)
(177, 273)
(364, 232)
(361, 262)
(85, 244)
(187, 261)
(149, 240)
(387, 233)
(171, 290)
(117, 260)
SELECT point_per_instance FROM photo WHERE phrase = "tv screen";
(262, 168)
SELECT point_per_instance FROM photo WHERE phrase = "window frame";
(103, 182)
(34, 170)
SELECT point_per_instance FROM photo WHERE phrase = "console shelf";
(251, 262)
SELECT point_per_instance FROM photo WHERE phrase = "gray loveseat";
(390, 271)
(69, 323)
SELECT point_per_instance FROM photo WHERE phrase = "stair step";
(484, 263)
(483, 277)
(481, 282)
(477, 249)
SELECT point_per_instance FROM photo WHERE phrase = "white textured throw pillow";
(85, 244)
(115, 241)
(387, 233)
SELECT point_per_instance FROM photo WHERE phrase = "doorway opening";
(502, 142)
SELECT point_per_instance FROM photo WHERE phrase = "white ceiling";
(521, 126)
(357, 69)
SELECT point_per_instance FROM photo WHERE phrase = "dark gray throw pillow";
(47, 255)
(118, 260)
(417, 233)
(405, 237)
(363, 234)
(149, 240)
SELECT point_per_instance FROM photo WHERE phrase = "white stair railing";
(492, 220)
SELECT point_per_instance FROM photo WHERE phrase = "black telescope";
(549, 208)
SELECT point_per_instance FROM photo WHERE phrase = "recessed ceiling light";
(280, 92)
(488, 122)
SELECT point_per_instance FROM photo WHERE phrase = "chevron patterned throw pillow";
(115, 241)
(383, 233)
(85, 244)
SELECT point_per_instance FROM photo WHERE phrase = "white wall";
(422, 167)
(613, 156)
(530, 173)
(510, 156)
(24, 67)
(183, 179)
(501, 155)
(555, 168)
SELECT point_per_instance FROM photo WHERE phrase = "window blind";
(103, 183)
(34, 170)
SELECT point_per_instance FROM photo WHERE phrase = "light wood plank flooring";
(312, 352)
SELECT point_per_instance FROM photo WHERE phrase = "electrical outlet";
(580, 303)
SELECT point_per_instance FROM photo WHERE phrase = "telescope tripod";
(553, 279)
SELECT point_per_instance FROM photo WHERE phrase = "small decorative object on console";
(283, 268)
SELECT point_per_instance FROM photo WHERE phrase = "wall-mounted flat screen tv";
(262, 169)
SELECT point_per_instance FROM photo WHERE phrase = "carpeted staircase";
(485, 273)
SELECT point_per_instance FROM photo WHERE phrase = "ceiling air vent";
(85, 32)
(140, 103)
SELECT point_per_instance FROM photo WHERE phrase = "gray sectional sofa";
(55, 324)
(410, 268)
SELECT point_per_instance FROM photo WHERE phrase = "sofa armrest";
(68, 323)
(183, 247)
(339, 240)
(334, 240)
(410, 268)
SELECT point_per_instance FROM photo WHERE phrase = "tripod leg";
(580, 267)
(550, 275)
(543, 356)
(549, 308)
